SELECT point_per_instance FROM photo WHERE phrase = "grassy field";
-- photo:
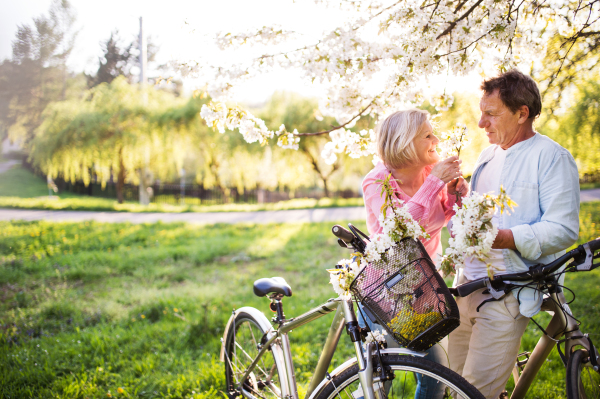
(21, 189)
(92, 310)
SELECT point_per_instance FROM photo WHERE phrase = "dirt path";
(4, 166)
(299, 215)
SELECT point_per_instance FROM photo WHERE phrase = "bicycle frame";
(558, 324)
(344, 313)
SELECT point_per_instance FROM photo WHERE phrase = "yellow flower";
(109, 395)
(175, 310)
(120, 390)
(143, 316)
(410, 324)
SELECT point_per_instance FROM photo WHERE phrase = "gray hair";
(396, 134)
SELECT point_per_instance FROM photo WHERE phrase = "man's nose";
(482, 122)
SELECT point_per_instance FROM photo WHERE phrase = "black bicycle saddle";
(265, 286)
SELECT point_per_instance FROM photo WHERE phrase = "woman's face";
(425, 145)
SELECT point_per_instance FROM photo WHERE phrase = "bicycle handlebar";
(342, 233)
(535, 272)
(594, 245)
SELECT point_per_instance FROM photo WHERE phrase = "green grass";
(88, 308)
(589, 186)
(21, 189)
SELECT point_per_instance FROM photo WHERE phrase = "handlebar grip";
(342, 233)
(594, 245)
(468, 288)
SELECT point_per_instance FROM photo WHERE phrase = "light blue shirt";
(542, 178)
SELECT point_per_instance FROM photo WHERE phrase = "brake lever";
(589, 259)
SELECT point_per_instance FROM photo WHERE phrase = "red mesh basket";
(407, 296)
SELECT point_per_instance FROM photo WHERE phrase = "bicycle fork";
(365, 363)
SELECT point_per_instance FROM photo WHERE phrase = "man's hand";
(504, 240)
(459, 185)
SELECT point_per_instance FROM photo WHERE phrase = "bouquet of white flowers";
(472, 229)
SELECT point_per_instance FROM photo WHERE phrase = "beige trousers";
(483, 349)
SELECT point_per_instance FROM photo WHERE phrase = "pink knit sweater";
(431, 205)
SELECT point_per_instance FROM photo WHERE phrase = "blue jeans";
(427, 387)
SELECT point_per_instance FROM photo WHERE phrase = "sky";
(182, 29)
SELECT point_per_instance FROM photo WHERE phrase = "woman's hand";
(460, 186)
(448, 169)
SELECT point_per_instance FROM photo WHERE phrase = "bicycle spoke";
(251, 359)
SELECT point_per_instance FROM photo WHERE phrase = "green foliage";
(302, 113)
(578, 129)
(113, 128)
(88, 308)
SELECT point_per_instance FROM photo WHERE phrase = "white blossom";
(385, 56)
(473, 232)
(342, 277)
(377, 336)
(453, 141)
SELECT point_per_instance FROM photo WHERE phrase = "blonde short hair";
(396, 134)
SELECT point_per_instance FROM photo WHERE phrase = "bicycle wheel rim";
(404, 384)
(588, 380)
(242, 348)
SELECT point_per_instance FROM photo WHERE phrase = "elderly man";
(541, 177)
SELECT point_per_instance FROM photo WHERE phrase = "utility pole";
(182, 186)
(145, 175)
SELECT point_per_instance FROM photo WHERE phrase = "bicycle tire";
(241, 347)
(582, 381)
(346, 384)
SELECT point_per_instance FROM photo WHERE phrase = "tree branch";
(340, 126)
(453, 23)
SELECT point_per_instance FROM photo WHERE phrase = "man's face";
(500, 124)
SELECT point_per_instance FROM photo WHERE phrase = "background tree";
(221, 161)
(116, 60)
(113, 132)
(37, 73)
(293, 110)
(577, 127)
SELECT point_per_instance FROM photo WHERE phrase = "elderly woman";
(407, 146)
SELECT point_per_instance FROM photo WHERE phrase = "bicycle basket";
(407, 296)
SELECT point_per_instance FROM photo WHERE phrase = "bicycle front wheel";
(442, 382)
(242, 345)
(583, 382)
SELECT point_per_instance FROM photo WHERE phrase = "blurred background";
(94, 116)
(91, 105)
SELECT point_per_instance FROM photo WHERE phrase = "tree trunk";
(325, 186)
(120, 178)
(321, 174)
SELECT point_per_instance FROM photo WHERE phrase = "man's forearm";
(504, 239)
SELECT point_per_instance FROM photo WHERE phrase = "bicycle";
(580, 356)
(258, 358)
